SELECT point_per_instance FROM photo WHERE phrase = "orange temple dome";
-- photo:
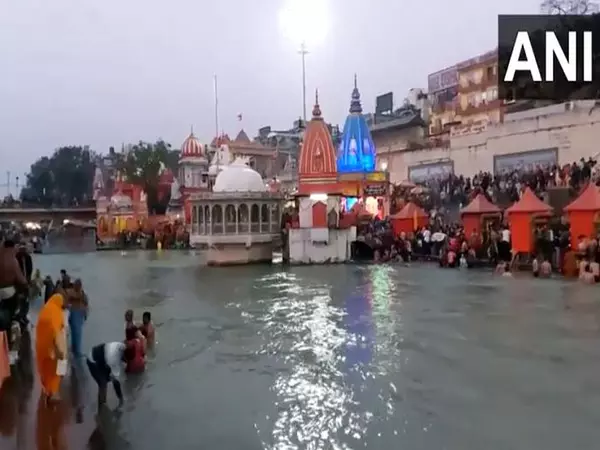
(317, 155)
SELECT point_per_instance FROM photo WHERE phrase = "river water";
(336, 357)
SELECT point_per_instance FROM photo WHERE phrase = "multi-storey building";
(477, 102)
(457, 93)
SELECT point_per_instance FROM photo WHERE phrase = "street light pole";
(303, 52)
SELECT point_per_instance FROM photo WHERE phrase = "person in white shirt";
(104, 363)
(427, 242)
(504, 245)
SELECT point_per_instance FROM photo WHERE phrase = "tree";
(63, 179)
(142, 166)
(565, 7)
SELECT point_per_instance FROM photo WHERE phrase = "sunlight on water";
(315, 405)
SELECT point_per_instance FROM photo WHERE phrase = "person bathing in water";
(129, 319)
(135, 351)
(104, 363)
(147, 328)
(78, 311)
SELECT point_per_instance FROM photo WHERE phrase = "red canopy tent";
(521, 217)
(475, 212)
(584, 213)
(409, 218)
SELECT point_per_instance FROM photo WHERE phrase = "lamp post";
(303, 52)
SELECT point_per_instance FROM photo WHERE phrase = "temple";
(317, 169)
(356, 152)
(193, 173)
(317, 236)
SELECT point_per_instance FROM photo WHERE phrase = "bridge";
(40, 214)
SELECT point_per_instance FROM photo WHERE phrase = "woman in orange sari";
(50, 345)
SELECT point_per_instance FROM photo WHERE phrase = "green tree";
(62, 179)
(142, 166)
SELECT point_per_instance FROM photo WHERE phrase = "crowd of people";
(506, 186)
(59, 339)
(446, 240)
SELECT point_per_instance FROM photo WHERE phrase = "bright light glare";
(305, 21)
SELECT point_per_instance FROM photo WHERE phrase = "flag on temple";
(239, 117)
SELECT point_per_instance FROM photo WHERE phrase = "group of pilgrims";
(59, 327)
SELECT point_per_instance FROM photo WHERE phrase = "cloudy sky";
(102, 73)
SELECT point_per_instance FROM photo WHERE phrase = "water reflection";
(49, 428)
(315, 408)
(358, 322)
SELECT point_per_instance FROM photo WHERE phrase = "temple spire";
(355, 105)
(191, 130)
(316, 109)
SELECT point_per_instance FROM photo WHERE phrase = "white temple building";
(239, 222)
(221, 158)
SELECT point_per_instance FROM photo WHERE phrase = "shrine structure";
(317, 238)
(193, 177)
(356, 170)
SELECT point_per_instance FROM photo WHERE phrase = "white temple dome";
(238, 177)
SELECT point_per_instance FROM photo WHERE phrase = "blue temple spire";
(356, 152)
(355, 105)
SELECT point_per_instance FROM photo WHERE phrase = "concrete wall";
(573, 129)
(235, 254)
(42, 214)
(302, 250)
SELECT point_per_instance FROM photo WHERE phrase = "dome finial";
(355, 105)
(317, 108)
(191, 130)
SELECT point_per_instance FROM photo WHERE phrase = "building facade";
(477, 102)
(405, 132)
(453, 92)
(557, 134)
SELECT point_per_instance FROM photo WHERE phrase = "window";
(490, 72)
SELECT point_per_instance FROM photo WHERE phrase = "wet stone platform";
(338, 357)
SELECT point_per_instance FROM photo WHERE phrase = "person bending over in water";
(147, 328)
(104, 363)
(135, 351)
(12, 284)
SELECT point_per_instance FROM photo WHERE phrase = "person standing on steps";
(26, 265)
(78, 311)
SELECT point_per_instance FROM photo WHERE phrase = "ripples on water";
(347, 357)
